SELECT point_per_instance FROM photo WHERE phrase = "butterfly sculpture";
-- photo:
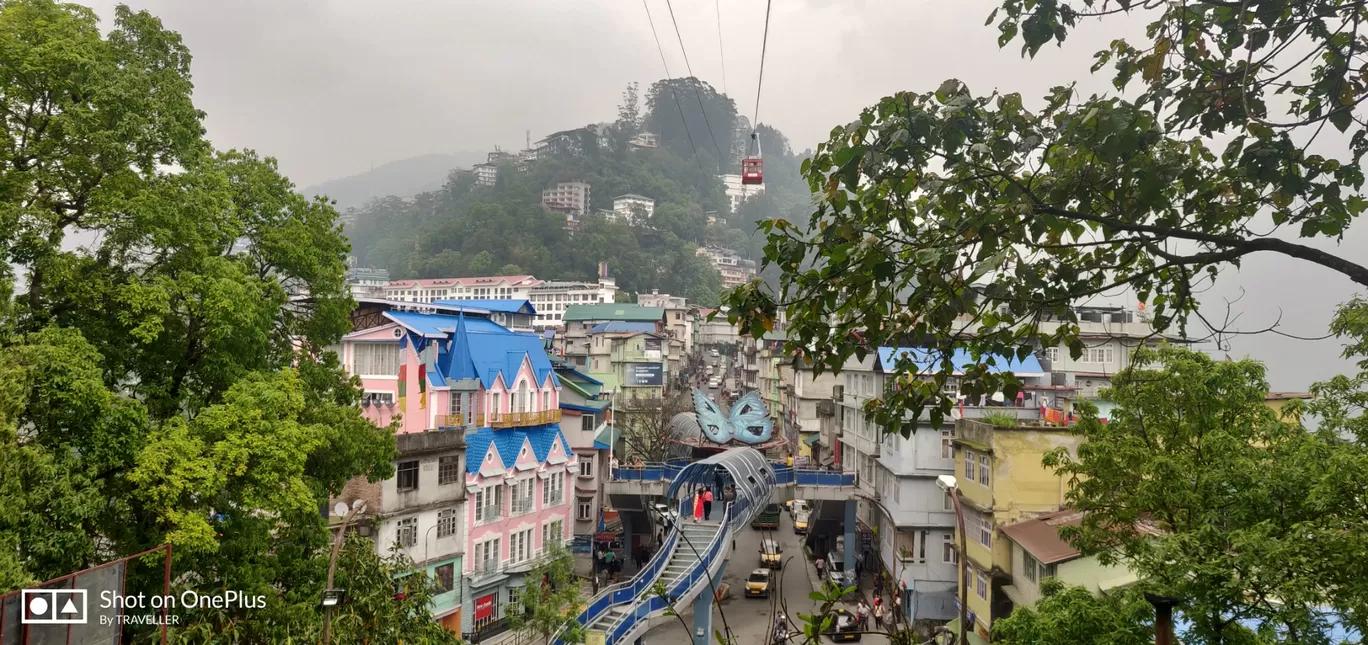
(748, 420)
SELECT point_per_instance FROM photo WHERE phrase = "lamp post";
(333, 597)
(948, 484)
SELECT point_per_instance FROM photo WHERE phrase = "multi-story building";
(635, 208)
(748, 363)
(737, 192)
(1038, 552)
(678, 322)
(807, 400)
(735, 269)
(1002, 481)
(715, 331)
(516, 315)
(553, 297)
(770, 380)
(585, 412)
(909, 513)
(645, 140)
(494, 287)
(1111, 335)
(566, 143)
(367, 282)
(580, 318)
(486, 174)
(569, 197)
(628, 360)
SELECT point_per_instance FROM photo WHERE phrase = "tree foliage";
(1211, 499)
(693, 119)
(968, 218)
(646, 426)
(1067, 615)
(164, 310)
(551, 600)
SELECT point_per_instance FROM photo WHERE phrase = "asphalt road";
(749, 618)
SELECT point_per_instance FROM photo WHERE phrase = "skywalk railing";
(782, 475)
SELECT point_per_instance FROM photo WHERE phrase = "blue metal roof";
(599, 445)
(438, 326)
(622, 326)
(509, 441)
(492, 354)
(927, 360)
(509, 306)
(578, 408)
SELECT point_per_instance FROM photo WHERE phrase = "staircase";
(681, 561)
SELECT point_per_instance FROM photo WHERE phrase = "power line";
(678, 105)
(721, 53)
(697, 94)
(764, 44)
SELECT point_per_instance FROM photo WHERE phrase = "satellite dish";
(359, 505)
(340, 509)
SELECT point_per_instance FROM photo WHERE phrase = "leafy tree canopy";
(965, 218)
(1069, 615)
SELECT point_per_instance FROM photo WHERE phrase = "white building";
(367, 282)
(1110, 336)
(735, 269)
(569, 197)
(678, 323)
(486, 174)
(634, 207)
(645, 140)
(496, 287)
(738, 192)
(552, 297)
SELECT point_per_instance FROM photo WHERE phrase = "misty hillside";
(403, 178)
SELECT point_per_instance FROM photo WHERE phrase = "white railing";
(523, 506)
(487, 514)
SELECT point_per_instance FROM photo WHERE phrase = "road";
(749, 618)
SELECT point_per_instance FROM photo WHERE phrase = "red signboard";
(484, 607)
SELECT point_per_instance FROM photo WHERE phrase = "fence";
(68, 609)
(782, 475)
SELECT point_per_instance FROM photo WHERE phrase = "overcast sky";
(331, 88)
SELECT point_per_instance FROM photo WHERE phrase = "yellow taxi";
(771, 554)
(800, 523)
(758, 584)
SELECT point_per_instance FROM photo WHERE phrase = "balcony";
(453, 420)
(487, 514)
(517, 419)
(523, 506)
(555, 499)
(488, 567)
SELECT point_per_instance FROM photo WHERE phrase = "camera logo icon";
(54, 607)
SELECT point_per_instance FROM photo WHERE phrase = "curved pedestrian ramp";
(693, 555)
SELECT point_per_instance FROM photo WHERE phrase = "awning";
(812, 440)
(974, 639)
(608, 435)
(1015, 595)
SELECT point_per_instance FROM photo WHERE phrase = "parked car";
(796, 507)
(800, 523)
(758, 584)
(845, 627)
(771, 554)
(836, 571)
(668, 517)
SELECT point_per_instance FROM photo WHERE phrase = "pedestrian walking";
(698, 507)
(878, 613)
(897, 608)
(862, 612)
(820, 564)
(707, 503)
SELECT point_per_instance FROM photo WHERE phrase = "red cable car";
(753, 168)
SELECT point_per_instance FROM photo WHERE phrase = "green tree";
(552, 599)
(1198, 487)
(674, 113)
(1068, 615)
(969, 218)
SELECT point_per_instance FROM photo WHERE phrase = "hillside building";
(635, 208)
(737, 192)
(735, 269)
(569, 197)
(486, 174)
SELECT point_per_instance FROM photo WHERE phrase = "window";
(982, 587)
(553, 532)
(1101, 355)
(456, 407)
(1052, 353)
(947, 444)
(985, 530)
(1028, 566)
(984, 465)
(520, 546)
(446, 523)
(522, 496)
(445, 576)
(494, 405)
(546, 400)
(408, 532)
(949, 502)
(448, 470)
(553, 490)
(487, 556)
(948, 555)
(584, 508)
(1047, 571)
(921, 549)
(969, 461)
(526, 398)
(586, 467)
(375, 359)
(588, 423)
(489, 504)
(377, 398)
(408, 475)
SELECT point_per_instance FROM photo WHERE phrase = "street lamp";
(333, 597)
(948, 484)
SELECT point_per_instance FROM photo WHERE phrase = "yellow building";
(1279, 400)
(1002, 481)
(1038, 552)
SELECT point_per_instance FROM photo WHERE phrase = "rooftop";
(1040, 536)
(926, 360)
(612, 311)
(521, 280)
(509, 443)
(633, 196)
(509, 306)
(1287, 396)
(617, 326)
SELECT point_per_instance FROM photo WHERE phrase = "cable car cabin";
(752, 170)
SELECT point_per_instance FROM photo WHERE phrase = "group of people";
(702, 503)
(878, 610)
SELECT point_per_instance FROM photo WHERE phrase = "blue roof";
(509, 306)
(582, 376)
(599, 445)
(622, 326)
(492, 354)
(509, 441)
(927, 360)
(578, 408)
(438, 326)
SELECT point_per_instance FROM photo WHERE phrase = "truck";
(767, 518)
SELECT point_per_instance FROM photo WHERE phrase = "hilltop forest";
(467, 230)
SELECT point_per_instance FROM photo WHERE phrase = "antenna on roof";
(529, 139)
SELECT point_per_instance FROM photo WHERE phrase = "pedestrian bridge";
(789, 482)
(688, 566)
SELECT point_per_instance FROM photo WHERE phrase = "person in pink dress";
(698, 507)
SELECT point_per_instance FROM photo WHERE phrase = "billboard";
(644, 375)
(652, 348)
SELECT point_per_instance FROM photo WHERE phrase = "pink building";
(435, 372)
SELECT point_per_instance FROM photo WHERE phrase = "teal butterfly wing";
(716, 426)
(750, 421)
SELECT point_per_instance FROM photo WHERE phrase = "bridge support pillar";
(852, 512)
(703, 610)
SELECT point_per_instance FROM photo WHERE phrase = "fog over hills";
(402, 178)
